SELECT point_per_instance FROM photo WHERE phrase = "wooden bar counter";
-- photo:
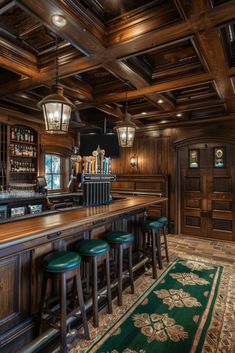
(24, 242)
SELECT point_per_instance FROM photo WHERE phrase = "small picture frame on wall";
(219, 157)
(194, 158)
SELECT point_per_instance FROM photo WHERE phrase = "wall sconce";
(134, 161)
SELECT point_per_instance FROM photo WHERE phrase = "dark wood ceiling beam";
(8, 6)
(126, 73)
(153, 37)
(159, 88)
(83, 37)
(90, 43)
(211, 46)
(180, 109)
(17, 114)
(20, 69)
(10, 48)
(78, 65)
(22, 103)
(17, 59)
(177, 124)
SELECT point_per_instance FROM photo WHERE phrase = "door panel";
(206, 194)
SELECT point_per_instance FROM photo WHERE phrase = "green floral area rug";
(186, 310)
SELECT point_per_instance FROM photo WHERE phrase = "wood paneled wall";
(154, 154)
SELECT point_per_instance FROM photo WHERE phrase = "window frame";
(61, 171)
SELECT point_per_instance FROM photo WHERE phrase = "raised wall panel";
(9, 283)
(222, 224)
(123, 185)
(192, 184)
(222, 205)
(222, 184)
(192, 221)
(192, 203)
(154, 187)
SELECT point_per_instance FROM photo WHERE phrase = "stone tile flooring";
(211, 249)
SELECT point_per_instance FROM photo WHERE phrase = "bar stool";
(62, 265)
(91, 251)
(164, 221)
(153, 229)
(120, 241)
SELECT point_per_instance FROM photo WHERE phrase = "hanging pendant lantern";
(56, 107)
(56, 110)
(126, 132)
(126, 129)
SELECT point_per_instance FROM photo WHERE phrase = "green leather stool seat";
(61, 261)
(92, 247)
(120, 237)
(159, 219)
(152, 224)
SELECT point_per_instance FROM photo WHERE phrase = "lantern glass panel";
(126, 135)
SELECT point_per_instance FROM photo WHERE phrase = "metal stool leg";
(130, 268)
(110, 310)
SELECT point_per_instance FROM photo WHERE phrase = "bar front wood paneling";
(23, 243)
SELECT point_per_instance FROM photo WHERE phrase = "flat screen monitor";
(41, 181)
(108, 142)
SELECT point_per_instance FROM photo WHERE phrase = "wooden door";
(207, 206)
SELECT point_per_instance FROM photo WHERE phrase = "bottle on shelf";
(13, 137)
(17, 134)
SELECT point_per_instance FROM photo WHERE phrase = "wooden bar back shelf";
(3, 156)
(23, 155)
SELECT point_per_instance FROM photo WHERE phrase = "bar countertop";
(30, 229)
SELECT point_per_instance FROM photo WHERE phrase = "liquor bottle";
(31, 137)
(17, 134)
(13, 134)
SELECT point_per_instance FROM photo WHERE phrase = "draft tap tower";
(96, 178)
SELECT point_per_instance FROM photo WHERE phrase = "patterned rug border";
(218, 336)
(219, 333)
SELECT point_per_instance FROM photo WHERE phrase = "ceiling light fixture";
(58, 21)
(56, 107)
(179, 115)
(143, 113)
(160, 101)
(126, 128)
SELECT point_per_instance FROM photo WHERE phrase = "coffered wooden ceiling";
(177, 56)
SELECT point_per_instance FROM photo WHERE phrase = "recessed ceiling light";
(179, 115)
(143, 113)
(58, 20)
(160, 101)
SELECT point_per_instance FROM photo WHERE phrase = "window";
(53, 171)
